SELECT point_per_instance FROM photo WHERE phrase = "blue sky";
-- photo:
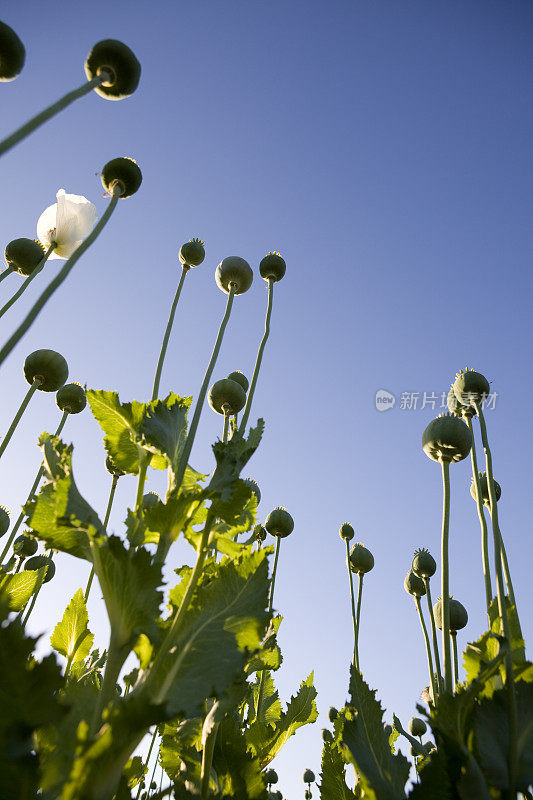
(384, 149)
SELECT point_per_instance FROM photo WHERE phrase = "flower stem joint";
(123, 173)
(279, 523)
(23, 255)
(121, 65)
(12, 53)
(49, 367)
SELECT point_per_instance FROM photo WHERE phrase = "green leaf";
(224, 624)
(332, 777)
(163, 429)
(231, 457)
(59, 514)
(175, 516)
(20, 587)
(269, 657)
(434, 779)
(121, 423)
(238, 772)
(72, 637)
(134, 771)
(382, 774)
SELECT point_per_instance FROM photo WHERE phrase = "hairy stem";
(428, 649)
(445, 577)
(434, 634)
(59, 278)
(482, 520)
(106, 520)
(22, 288)
(350, 578)
(16, 419)
(166, 337)
(50, 112)
(255, 375)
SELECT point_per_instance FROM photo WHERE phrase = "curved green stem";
(6, 272)
(106, 520)
(50, 112)
(40, 473)
(352, 597)
(58, 280)
(143, 468)
(507, 574)
(482, 521)
(358, 619)
(147, 761)
(434, 635)
(445, 578)
(502, 608)
(16, 419)
(428, 650)
(225, 430)
(207, 760)
(166, 337)
(22, 288)
(34, 598)
(453, 634)
(255, 375)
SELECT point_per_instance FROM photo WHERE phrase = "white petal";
(46, 225)
(75, 218)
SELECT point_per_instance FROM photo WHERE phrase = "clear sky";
(384, 149)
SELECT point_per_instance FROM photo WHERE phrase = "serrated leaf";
(121, 423)
(134, 771)
(20, 587)
(434, 781)
(238, 772)
(231, 457)
(175, 516)
(163, 429)
(383, 774)
(333, 784)
(72, 637)
(269, 657)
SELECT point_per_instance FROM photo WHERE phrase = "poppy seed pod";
(458, 615)
(470, 386)
(25, 545)
(234, 270)
(119, 62)
(192, 253)
(37, 562)
(47, 365)
(346, 532)
(71, 398)
(309, 776)
(414, 585)
(124, 173)
(279, 523)
(417, 726)
(272, 267)
(150, 499)
(110, 467)
(484, 489)
(447, 438)
(226, 397)
(23, 255)
(361, 559)
(271, 776)
(254, 487)
(12, 53)
(424, 564)
(240, 378)
(458, 409)
(4, 521)
(260, 533)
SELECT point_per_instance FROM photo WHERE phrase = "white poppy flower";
(68, 222)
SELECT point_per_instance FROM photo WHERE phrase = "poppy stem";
(453, 634)
(168, 330)
(428, 648)
(358, 619)
(22, 288)
(445, 576)
(6, 272)
(38, 120)
(16, 419)
(482, 520)
(352, 597)
(106, 520)
(434, 634)
(253, 382)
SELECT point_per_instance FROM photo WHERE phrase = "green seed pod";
(447, 438)
(333, 714)
(458, 615)
(309, 776)
(424, 564)
(272, 266)
(470, 386)
(414, 585)
(308, 794)
(254, 487)
(417, 726)
(458, 409)
(484, 488)
(4, 520)
(234, 270)
(260, 533)
(41, 561)
(110, 467)
(124, 173)
(226, 396)
(270, 777)
(240, 378)
(23, 255)
(361, 559)
(25, 545)
(279, 523)
(192, 253)
(71, 397)
(12, 53)
(47, 365)
(119, 61)
(346, 532)
(150, 499)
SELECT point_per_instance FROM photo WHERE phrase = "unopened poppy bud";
(114, 470)
(25, 545)
(122, 173)
(447, 438)
(272, 267)
(361, 559)
(121, 65)
(150, 499)
(458, 615)
(4, 521)
(309, 776)
(484, 489)
(271, 776)
(470, 387)
(279, 523)
(414, 585)
(416, 726)
(346, 532)
(234, 271)
(424, 564)
(192, 253)
(37, 562)
(23, 255)
(226, 397)
(47, 365)
(71, 398)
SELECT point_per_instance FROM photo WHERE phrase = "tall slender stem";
(502, 609)
(49, 112)
(106, 520)
(147, 761)
(16, 419)
(6, 272)
(116, 655)
(428, 649)
(225, 430)
(59, 278)
(358, 619)
(482, 520)
(507, 574)
(434, 634)
(270, 606)
(445, 577)
(22, 288)
(453, 634)
(207, 760)
(40, 473)
(35, 593)
(352, 596)
(166, 337)
(255, 375)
